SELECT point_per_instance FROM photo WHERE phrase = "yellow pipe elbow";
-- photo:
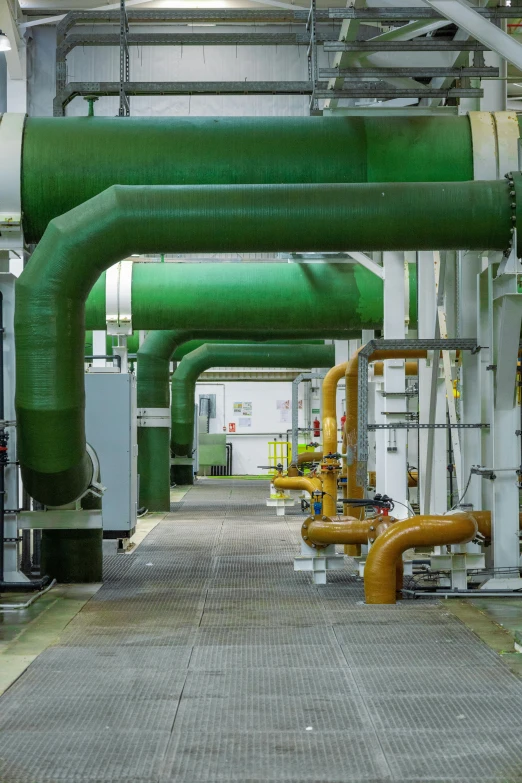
(380, 569)
(330, 381)
(298, 482)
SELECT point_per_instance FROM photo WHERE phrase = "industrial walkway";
(205, 658)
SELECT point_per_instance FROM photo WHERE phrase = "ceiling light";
(5, 46)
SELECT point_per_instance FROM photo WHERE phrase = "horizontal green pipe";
(189, 369)
(191, 345)
(78, 246)
(66, 161)
(208, 298)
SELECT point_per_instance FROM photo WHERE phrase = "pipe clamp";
(153, 417)
(118, 298)
(11, 135)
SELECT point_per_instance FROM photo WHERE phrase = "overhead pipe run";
(57, 172)
(78, 246)
(254, 299)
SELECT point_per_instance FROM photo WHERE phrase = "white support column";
(11, 549)
(395, 475)
(432, 471)
(99, 347)
(507, 315)
(470, 266)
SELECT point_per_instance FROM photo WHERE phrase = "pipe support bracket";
(118, 298)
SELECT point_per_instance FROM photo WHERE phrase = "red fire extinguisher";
(343, 421)
(317, 428)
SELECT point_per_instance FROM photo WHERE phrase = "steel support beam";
(370, 90)
(415, 72)
(406, 14)
(466, 18)
(390, 345)
(423, 45)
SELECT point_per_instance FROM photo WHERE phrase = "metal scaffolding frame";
(365, 353)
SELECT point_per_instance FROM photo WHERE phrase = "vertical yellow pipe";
(330, 470)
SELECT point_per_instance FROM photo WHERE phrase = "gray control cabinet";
(110, 425)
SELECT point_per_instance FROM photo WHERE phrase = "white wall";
(249, 444)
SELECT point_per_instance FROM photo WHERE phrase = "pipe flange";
(514, 182)
(304, 533)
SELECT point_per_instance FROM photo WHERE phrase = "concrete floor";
(205, 658)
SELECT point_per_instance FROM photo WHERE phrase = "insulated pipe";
(190, 368)
(330, 382)
(58, 153)
(308, 483)
(153, 359)
(77, 247)
(353, 490)
(253, 298)
(380, 567)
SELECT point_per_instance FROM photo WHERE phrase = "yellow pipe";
(321, 532)
(483, 520)
(380, 573)
(298, 482)
(412, 368)
(330, 382)
(352, 407)
(309, 456)
(344, 530)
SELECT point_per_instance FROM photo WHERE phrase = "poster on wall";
(245, 421)
(238, 408)
(247, 409)
(283, 405)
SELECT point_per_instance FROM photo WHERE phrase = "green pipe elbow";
(185, 377)
(77, 247)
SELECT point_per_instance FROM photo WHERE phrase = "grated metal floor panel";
(204, 659)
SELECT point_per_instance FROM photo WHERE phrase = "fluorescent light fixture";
(5, 46)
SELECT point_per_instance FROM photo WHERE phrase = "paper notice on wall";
(245, 421)
(247, 409)
(283, 405)
(238, 408)
(286, 415)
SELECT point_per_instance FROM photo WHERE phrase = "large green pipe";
(269, 299)
(153, 391)
(190, 368)
(67, 161)
(77, 247)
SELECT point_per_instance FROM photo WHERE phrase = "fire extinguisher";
(343, 421)
(317, 428)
